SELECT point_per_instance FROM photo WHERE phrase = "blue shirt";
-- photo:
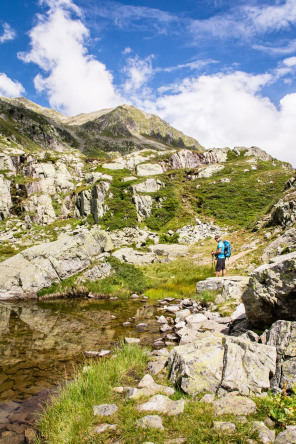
(221, 245)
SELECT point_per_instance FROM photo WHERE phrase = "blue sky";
(221, 71)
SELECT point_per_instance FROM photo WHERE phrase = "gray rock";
(132, 340)
(150, 422)
(169, 251)
(270, 292)
(157, 365)
(234, 405)
(40, 209)
(266, 436)
(37, 267)
(247, 366)
(101, 428)
(288, 436)
(149, 186)
(149, 169)
(5, 198)
(282, 335)
(224, 427)
(186, 159)
(197, 367)
(92, 201)
(97, 272)
(105, 409)
(143, 205)
(131, 256)
(208, 171)
(284, 212)
(182, 314)
(213, 362)
(162, 404)
(210, 398)
(231, 287)
(285, 243)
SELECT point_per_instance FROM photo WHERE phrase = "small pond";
(42, 342)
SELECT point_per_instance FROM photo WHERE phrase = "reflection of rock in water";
(40, 342)
(35, 343)
(145, 312)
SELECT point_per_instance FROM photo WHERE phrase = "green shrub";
(167, 239)
(281, 408)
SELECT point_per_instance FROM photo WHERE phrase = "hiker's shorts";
(220, 264)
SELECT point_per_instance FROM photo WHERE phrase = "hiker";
(220, 256)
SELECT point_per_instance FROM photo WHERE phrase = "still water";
(42, 342)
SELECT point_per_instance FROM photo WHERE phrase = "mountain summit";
(123, 129)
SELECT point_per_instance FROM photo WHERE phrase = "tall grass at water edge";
(69, 416)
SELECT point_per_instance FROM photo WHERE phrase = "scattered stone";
(210, 398)
(162, 320)
(157, 366)
(163, 404)
(288, 436)
(150, 421)
(103, 427)
(224, 427)
(162, 352)
(266, 436)
(126, 324)
(182, 314)
(165, 328)
(105, 409)
(234, 405)
(132, 340)
(97, 354)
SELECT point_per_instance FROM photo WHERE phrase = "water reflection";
(41, 342)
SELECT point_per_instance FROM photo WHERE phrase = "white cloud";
(138, 72)
(10, 88)
(228, 110)
(76, 82)
(8, 33)
(136, 17)
(246, 21)
(287, 47)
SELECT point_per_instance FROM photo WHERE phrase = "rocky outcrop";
(270, 294)
(217, 364)
(5, 198)
(283, 244)
(186, 159)
(144, 202)
(284, 212)
(253, 152)
(43, 265)
(92, 201)
(40, 209)
(282, 335)
(52, 178)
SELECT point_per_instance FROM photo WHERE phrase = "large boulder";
(231, 287)
(149, 169)
(282, 335)
(131, 256)
(24, 274)
(271, 292)
(169, 251)
(217, 364)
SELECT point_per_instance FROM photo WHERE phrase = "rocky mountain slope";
(50, 188)
(123, 129)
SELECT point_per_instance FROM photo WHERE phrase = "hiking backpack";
(227, 249)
